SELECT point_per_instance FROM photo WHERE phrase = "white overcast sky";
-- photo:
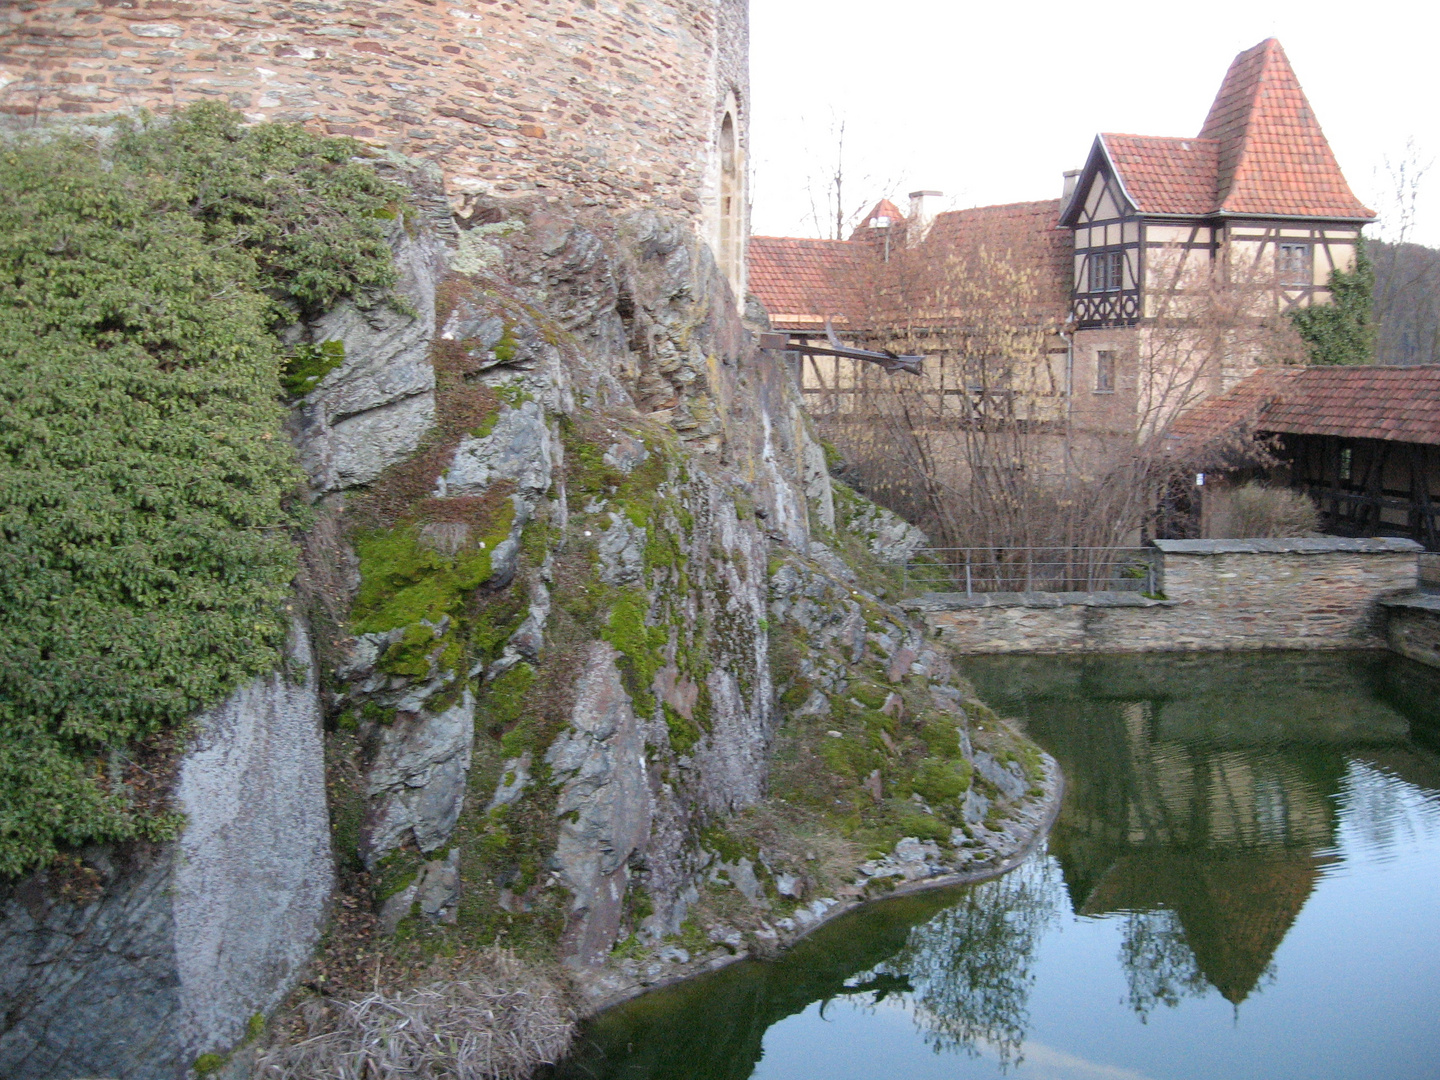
(991, 102)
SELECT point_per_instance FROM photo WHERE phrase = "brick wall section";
(1412, 627)
(611, 103)
(1319, 593)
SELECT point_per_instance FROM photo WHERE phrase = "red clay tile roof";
(882, 209)
(1229, 418)
(1397, 404)
(801, 281)
(1261, 152)
(1165, 176)
(878, 234)
(1031, 231)
(1273, 157)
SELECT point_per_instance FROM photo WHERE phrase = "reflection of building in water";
(1202, 788)
(1226, 839)
(1186, 794)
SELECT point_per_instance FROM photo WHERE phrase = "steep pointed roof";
(870, 228)
(1260, 151)
(1272, 156)
(882, 209)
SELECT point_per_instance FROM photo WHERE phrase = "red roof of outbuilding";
(1397, 404)
(802, 280)
(1260, 152)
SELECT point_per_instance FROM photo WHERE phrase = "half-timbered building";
(1255, 202)
(1147, 234)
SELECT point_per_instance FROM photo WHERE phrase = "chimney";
(923, 208)
(1072, 177)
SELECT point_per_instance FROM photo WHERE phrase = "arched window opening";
(730, 208)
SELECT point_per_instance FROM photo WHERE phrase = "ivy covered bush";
(145, 486)
(1340, 332)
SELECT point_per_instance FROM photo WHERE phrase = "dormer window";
(1292, 264)
(1107, 271)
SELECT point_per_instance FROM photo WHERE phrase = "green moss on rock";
(404, 580)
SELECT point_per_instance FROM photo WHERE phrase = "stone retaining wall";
(1412, 626)
(1313, 593)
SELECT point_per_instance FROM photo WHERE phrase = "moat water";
(1244, 881)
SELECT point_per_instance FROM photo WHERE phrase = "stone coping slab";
(1300, 545)
(958, 601)
(1420, 601)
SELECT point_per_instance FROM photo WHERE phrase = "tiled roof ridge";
(802, 239)
(1230, 140)
(1156, 138)
(997, 206)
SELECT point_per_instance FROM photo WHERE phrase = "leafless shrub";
(497, 1019)
(993, 447)
(1257, 510)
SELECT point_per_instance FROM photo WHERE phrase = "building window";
(1105, 371)
(730, 216)
(1292, 262)
(1107, 269)
(1347, 463)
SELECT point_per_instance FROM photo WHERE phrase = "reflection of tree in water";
(971, 966)
(1158, 963)
(1203, 795)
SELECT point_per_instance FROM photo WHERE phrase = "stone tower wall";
(610, 103)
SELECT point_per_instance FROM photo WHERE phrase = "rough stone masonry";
(616, 104)
(1315, 592)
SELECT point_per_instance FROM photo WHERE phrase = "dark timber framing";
(1392, 488)
(1104, 219)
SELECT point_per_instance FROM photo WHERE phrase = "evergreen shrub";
(1341, 332)
(146, 488)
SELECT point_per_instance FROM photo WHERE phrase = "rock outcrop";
(176, 946)
(594, 561)
(588, 599)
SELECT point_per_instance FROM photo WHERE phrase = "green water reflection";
(1203, 791)
(1205, 799)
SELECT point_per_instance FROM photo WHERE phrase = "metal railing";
(1046, 569)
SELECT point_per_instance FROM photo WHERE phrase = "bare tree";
(831, 185)
(989, 449)
(1407, 274)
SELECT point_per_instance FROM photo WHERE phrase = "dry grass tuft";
(496, 1019)
(1260, 511)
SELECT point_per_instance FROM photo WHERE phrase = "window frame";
(1290, 272)
(1107, 271)
(1104, 371)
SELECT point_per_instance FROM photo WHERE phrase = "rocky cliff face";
(610, 594)
(168, 952)
(604, 661)
(565, 591)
